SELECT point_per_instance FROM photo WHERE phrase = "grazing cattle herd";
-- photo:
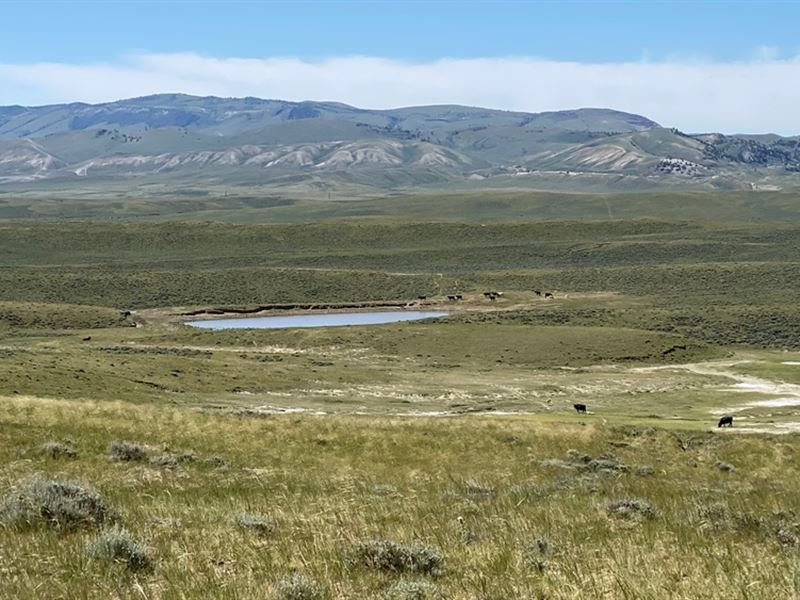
(489, 295)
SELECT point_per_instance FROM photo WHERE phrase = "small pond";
(318, 320)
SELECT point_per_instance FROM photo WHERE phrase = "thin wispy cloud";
(759, 95)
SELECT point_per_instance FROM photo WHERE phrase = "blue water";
(320, 320)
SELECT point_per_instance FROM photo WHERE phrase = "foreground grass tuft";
(388, 555)
(59, 504)
(118, 545)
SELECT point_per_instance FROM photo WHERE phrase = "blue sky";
(699, 66)
(410, 30)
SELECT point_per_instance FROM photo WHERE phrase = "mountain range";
(187, 140)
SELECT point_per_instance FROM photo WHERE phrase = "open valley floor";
(440, 458)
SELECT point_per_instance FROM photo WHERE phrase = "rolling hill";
(179, 140)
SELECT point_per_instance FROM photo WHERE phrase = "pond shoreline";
(299, 308)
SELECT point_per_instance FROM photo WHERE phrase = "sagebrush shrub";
(117, 544)
(170, 460)
(718, 516)
(256, 523)
(413, 589)
(786, 537)
(215, 460)
(58, 450)
(604, 464)
(630, 508)
(126, 451)
(59, 504)
(385, 489)
(477, 489)
(535, 554)
(388, 555)
(299, 587)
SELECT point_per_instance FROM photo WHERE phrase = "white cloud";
(694, 95)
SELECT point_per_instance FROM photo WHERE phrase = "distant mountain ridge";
(180, 139)
(231, 116)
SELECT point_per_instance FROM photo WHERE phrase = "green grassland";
(329, 200)
(456, 435)
(396, 368)
(16, 315)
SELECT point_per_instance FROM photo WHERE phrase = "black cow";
(454, 297)
(726, 421)
(459, 297)
(548, 295)
(422, 297)
(488, 294)
(581, 408)
(537, 292)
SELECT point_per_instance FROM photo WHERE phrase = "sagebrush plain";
(435, 459)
